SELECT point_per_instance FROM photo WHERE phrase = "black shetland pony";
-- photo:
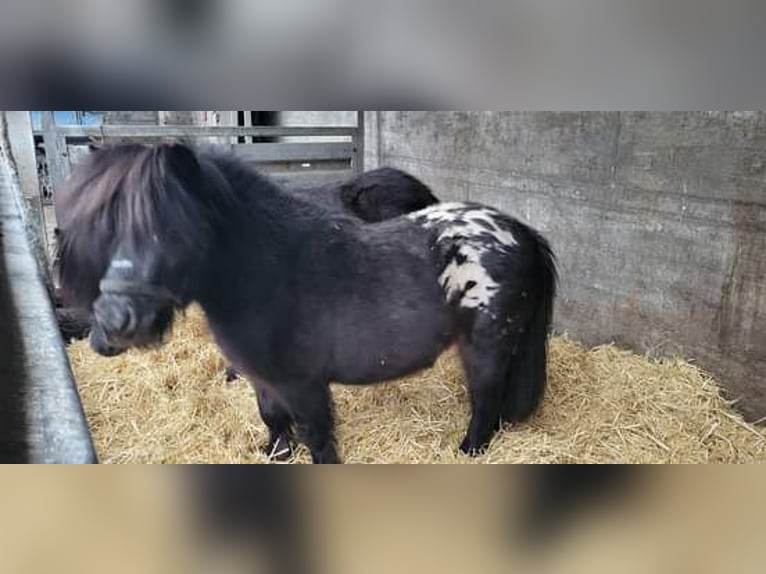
(372, 196)
(297, 296)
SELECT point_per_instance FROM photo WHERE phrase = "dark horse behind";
(297, 295)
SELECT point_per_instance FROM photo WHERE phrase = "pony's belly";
(366, 372)
(395, 338)
(372, 360)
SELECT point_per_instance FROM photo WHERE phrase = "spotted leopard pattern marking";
(467, 232)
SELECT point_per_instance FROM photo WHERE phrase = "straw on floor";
(172, 405)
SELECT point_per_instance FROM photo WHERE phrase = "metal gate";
(295, 163)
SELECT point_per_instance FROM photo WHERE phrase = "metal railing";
(298, 163)
(41, 416)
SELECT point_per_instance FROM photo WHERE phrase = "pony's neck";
(257, 236)
(260, 200)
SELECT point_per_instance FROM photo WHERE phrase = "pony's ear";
(179, 162)
(349, 193)
(178, 159)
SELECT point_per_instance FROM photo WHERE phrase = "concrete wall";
(658, 219)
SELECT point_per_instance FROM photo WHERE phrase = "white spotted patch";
(463, 220)
(470, 278)
(475, 230)
(439, 213)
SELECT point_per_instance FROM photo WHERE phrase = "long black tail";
(527, 374)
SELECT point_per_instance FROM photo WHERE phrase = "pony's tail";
(527, 374)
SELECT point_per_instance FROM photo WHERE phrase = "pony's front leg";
(278, 420)
(311, 407)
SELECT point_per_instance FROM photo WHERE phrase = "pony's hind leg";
(278, 420)
(486, 356)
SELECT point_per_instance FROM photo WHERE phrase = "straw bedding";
(172, 405)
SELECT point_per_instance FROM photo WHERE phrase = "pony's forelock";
(134, 193)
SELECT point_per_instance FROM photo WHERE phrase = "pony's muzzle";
(98, 343)
(118, 317)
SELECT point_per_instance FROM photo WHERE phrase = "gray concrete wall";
(658, 219)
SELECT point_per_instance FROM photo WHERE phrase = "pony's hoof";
(467, 447)
(231, 374)
(279, 449)
(327, 455)
(322, 460)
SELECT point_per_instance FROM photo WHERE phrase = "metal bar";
(311, 179)
(293, 151)
(247, 122)
(54, 428)
(55, 150)
(20, 149)
(379, 138)
(359, 140)
(198, 131)
(303, 167)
